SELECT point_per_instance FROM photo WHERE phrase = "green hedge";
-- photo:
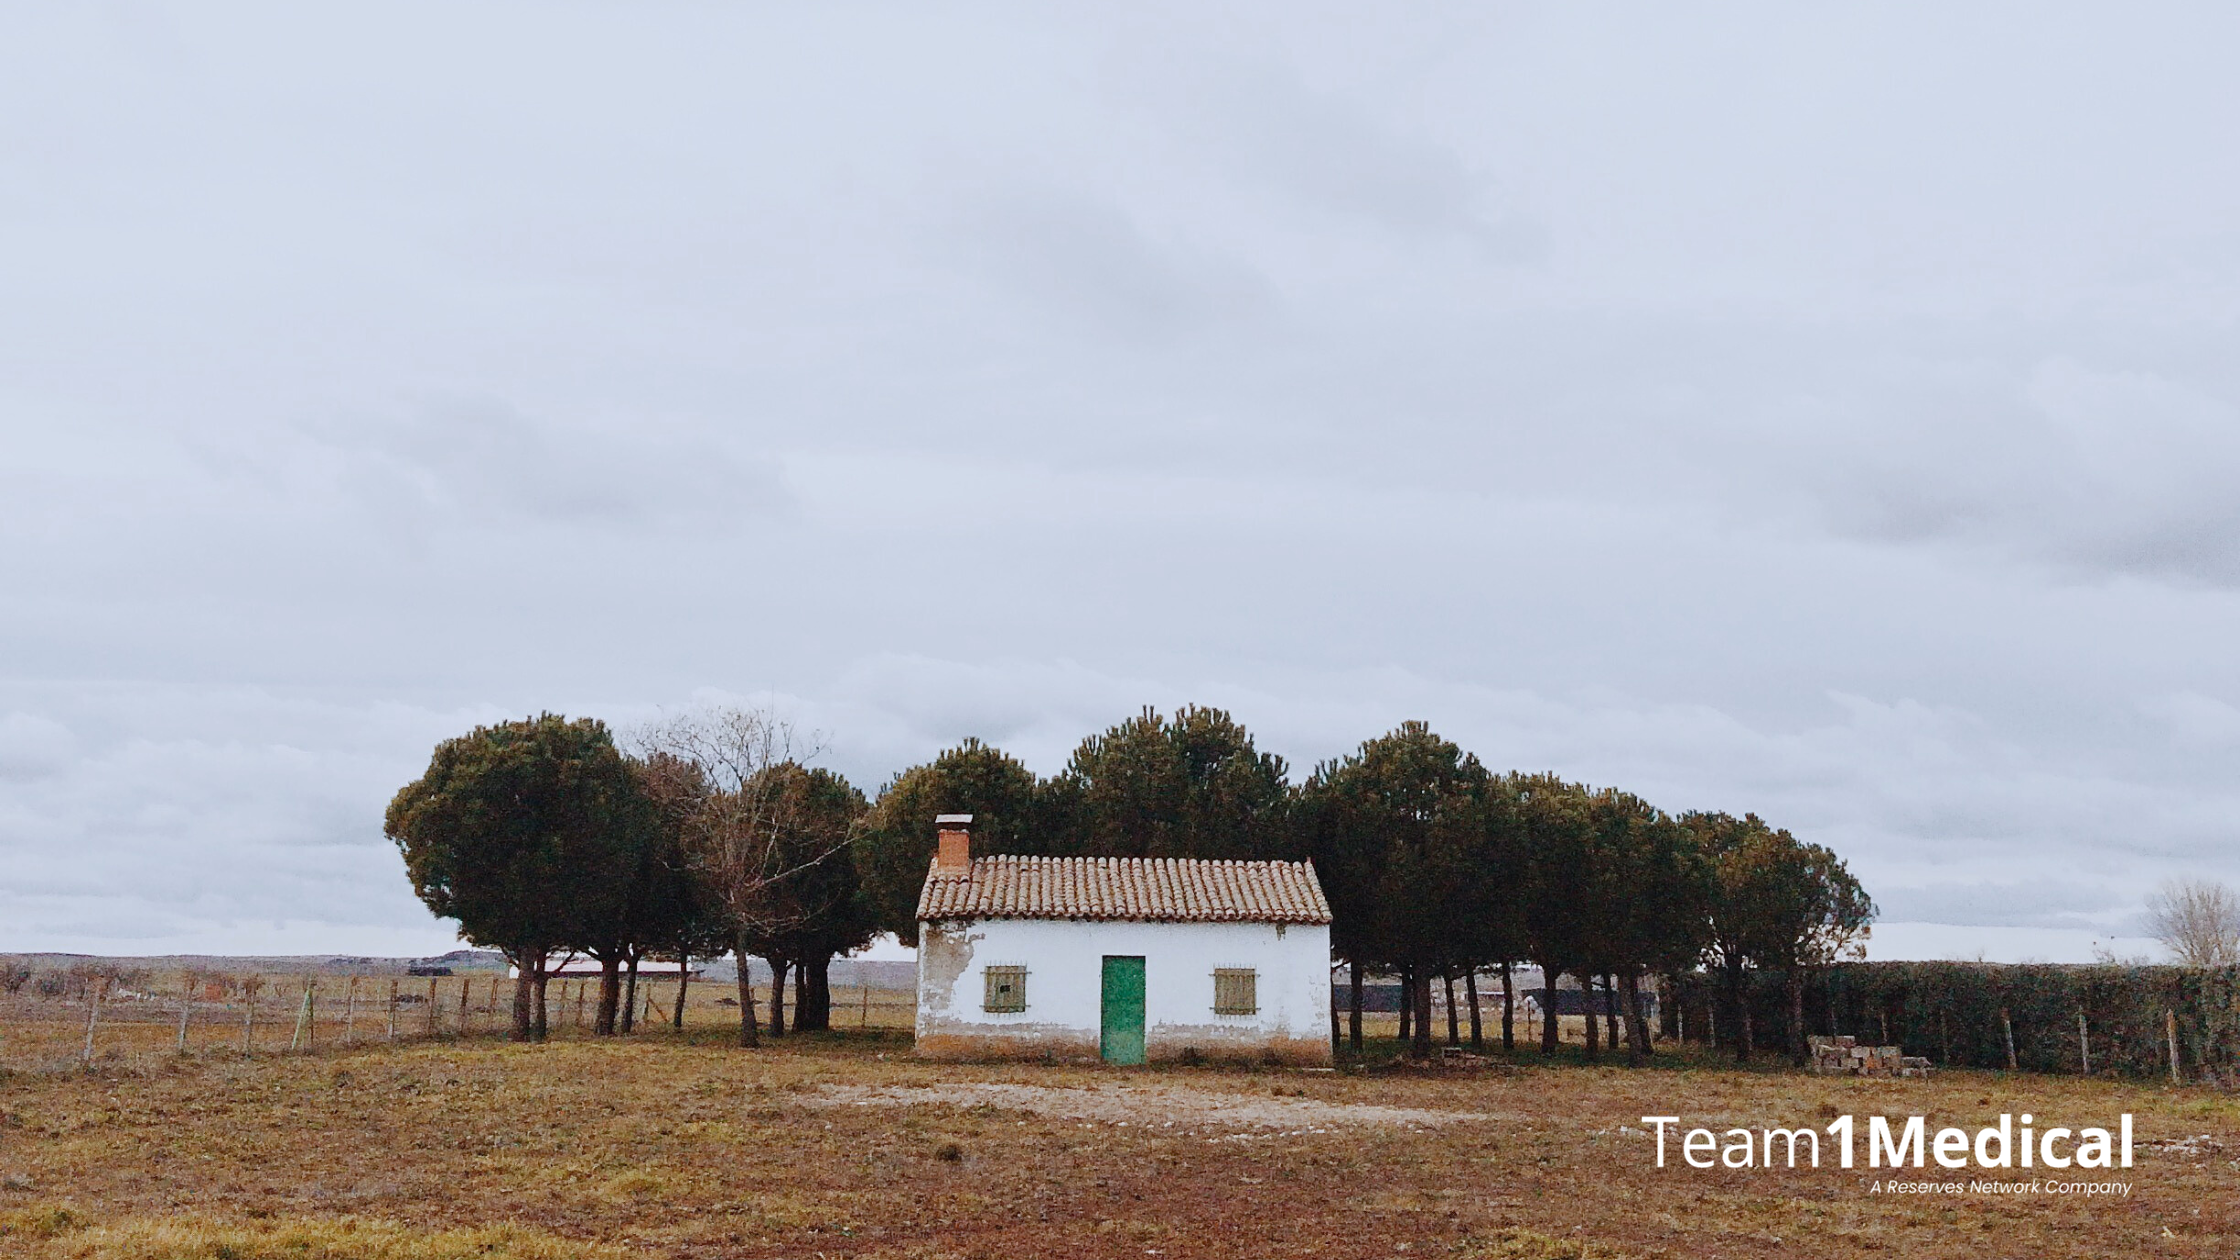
(1950, 1012)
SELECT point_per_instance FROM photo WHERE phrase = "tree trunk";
(524, 1006)
(812, 994)
(1594, 1026)
(1407, 1006)
(1738, 1009)
(1637, 1032)
(1610, 1007)
(1508, 1010)
(1668, 1008)
(630, 996)
(543, 1029)
(812, 1009)
(1353, 1012)
(750, 1028)
(1421, 1046)
(610, 995)
(778, 969)
(1454, 1026)
(1550, 1026)
(1470, 991)
(684, 981)
(1793, 980)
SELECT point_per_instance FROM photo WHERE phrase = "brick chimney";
(954, 856)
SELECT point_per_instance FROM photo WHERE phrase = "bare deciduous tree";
(711, 770)
(2198, 920)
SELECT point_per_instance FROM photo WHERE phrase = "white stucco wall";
(1065, 977)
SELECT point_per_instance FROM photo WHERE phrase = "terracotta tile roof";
(1166, 890)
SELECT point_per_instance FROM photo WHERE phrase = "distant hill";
(459, 960)
(846, 972)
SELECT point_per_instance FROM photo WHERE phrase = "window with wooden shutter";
(1007, 989)
(1236, 991)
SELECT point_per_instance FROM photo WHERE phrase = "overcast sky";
(1828, 415)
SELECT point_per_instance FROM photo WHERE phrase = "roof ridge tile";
(1160, 889)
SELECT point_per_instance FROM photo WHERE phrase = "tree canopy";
(896, 842)
(515, 831)
(1192, 786)
(541, 835)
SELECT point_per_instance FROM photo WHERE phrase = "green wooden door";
(1121, 1040)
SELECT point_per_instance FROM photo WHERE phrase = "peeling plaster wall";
(1065, 977)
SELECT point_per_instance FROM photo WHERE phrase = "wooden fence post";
(392, 1008)
(2007, 1025)
(350, 1011)
(2170, 1028)
(303, 1016)
(2084, 1043)
(865, 1021)
(466, 1018)
(431, 1006)
(93, 1016)
(186, 1008)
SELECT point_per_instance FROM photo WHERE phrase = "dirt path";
(1179, 1109)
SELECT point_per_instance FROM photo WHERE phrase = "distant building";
(1382, 996)
(593, 969)
(1120, 959)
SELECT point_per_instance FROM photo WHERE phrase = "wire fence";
(81, 1020)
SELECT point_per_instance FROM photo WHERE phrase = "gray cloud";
(1085, 262)
(1829, 416)
(2035, 903)
(2097, 472)
(485, 460)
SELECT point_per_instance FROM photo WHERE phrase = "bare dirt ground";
(841, 1145)
(1177, 1110)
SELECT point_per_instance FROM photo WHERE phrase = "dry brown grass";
(662, 1145)
(340, 1238)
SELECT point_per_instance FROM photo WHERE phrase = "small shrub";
(1527, 1244)
(39, 1222)
(949, 1153)
(638, 1183)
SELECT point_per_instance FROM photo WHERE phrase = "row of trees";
(544, 838)
(710, 834)
(1436, 869)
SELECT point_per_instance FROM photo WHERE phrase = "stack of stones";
(1845, 1056)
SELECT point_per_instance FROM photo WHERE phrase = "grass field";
(841, 1145)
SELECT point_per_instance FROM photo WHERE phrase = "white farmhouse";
(1120, 959)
